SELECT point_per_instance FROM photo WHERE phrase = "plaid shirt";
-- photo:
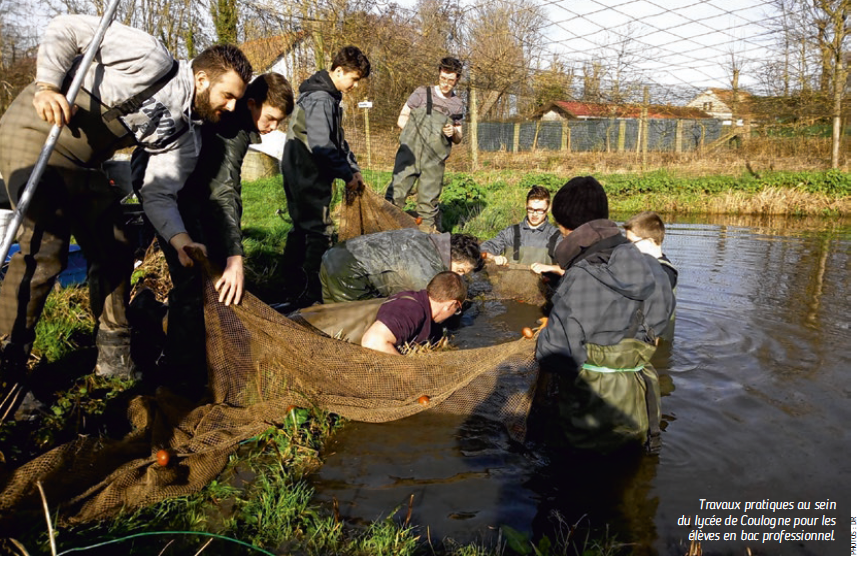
(600, 293)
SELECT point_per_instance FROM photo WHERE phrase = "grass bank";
(262, 501)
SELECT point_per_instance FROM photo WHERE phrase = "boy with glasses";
(532, 241)
(430, 123)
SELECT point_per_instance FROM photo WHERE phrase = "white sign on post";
(365, 104)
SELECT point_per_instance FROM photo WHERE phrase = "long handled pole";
(54, 134)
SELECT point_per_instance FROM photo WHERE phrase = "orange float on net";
(418, 220)
(424, 400)
(163, 458)
(527, 333)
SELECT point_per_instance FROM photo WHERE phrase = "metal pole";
(54, 134)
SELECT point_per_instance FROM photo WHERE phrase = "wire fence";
(769, 77)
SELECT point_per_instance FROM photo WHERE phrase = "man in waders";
(134, 93)
(210, 205)
(610, 306)
(385, 263)
(532, 241)
(430, 123)
(316, 153)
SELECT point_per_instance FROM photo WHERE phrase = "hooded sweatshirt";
(606, 281)
(127, 62)
(316, 131)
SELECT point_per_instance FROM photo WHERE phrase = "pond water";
(756, 406)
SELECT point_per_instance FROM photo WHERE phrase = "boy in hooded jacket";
(606, 314)
(316, 153)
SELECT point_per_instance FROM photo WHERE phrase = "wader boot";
(114, 359)
(293, 259)
(315, 248)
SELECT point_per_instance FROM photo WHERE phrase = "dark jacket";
(316, 150)
(534, 245)
(607, 280)
(383, 264)
(217, 178)
(210, 202)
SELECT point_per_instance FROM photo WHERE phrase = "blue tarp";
(76, 268)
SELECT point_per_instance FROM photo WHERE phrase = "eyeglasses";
(460, 308)
(537, 210)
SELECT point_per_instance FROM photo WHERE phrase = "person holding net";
(611, 305)
(210, 205)
(316, 153)
(531, 242)
(133, 93)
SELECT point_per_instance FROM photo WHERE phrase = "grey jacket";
(127, 62)
(315, 139)
(536, 245)
(607, 279)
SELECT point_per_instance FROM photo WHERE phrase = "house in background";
(581, 111)
(718, 103)
(286, 54)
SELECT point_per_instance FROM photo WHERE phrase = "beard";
(202, 106)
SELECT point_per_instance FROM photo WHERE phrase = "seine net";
(260, 363)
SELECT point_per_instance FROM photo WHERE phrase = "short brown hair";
(351, 59)
(216, 60)
(451, 64)
(539, 193)
(647, 225)
(447, 286)
(273, 89)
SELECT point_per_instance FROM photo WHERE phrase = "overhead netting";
(260, 363)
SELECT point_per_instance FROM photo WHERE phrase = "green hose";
(253, 547)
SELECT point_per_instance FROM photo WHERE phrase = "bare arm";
(403, 117)
(380, 338)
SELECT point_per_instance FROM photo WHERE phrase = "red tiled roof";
(263, 52)
(630, 111)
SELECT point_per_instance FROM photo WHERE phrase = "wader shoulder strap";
(132, 104)
(516, 234)
(429, 101)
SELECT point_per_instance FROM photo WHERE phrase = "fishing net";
(260, 363)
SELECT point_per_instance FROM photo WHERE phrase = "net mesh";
(260, 363)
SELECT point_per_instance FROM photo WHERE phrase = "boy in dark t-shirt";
(416, 317)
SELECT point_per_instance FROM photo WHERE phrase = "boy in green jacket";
(316, 153)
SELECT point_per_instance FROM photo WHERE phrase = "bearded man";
(134, 93)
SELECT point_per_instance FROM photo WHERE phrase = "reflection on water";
(756, 405)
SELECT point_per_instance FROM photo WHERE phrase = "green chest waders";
(422, 156)
(614, 397)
